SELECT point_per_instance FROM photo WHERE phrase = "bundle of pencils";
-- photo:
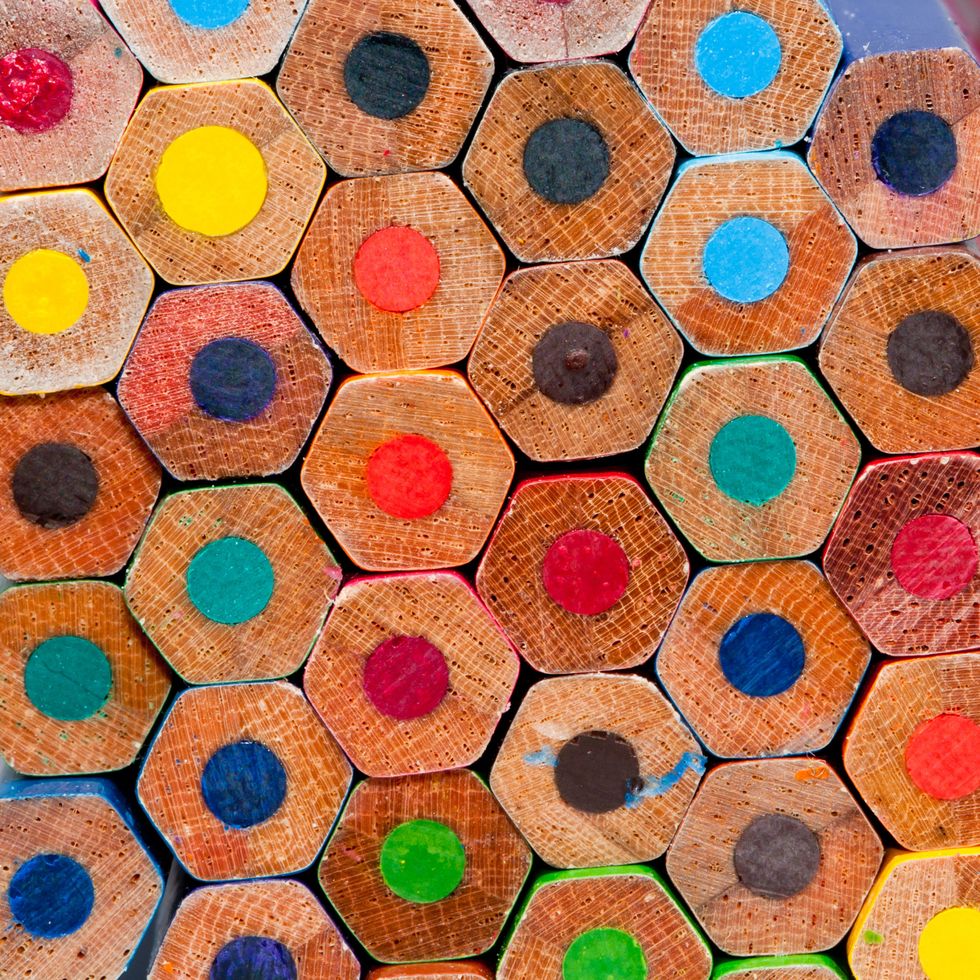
(489, 488)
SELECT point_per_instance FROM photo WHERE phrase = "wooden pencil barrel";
(568, 162)
(424, 867)
(385, 87)
(270, 929)
(575, 360)
(751, 459)
(242, 781)
(217, 40)
(901, 349)
(408, 470)
(78, 486)
(774, 857)
(80, 886)
(921, 918)
(913, 750)
(214, 182)
(531, 31)
(762, 659)
(903, 554)
(224, 381)
(80, 684)
(411, 673)
(747, 254)
(232, 583)
(67, 88)
(596, 769)
(397, 272)
(728, 80)
(618, 921)
(583, 573)
(74, 292)
(895, 143)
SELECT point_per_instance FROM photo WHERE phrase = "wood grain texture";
(703, 120)
(106, 82)
(294, 170)
(611, 221)
(462, 970)
(368, 411)
(554, 711)
(564, 905)
(743, 923)
(75, 224)
(910, 890)
(85, 820)
(285, 912)
(548, 636)
(710, 395)
(37, 744)
(368, 338)
(903, 696)
(355, 144)
(531, 31)
(273, 643)
(884, 290)
(778, 189)
(205, 719)
(803, 718)
(604, 294)
(944, 81)
(441, 608)
(176, 51)
(155, 392)
(857, 560)
(101, 542)
(468, 921)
